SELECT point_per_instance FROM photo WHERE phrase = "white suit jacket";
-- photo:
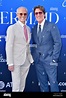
(16, 45)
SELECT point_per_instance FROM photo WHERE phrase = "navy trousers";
(47, 74)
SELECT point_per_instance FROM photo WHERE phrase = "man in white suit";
(18, 52)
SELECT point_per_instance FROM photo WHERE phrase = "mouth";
(22, 18)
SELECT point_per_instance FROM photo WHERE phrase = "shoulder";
(11, 26)
(50, 24)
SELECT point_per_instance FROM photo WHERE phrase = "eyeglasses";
(36, 13)
(23, 14)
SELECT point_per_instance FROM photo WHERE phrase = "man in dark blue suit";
(46, 48)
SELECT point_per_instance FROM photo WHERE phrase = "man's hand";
(11, 68)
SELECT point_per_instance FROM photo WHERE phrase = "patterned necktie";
(25, 33)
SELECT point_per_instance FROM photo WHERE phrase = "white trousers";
(19, 76)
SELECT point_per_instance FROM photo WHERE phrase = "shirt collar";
(21, 23)
(42, 25)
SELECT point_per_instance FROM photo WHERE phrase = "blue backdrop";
(55, 12)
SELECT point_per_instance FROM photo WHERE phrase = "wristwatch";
(53, 61)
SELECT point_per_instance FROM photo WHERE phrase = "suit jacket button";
(43, 54)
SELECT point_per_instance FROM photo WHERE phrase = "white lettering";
(10, 17)
(7, 94)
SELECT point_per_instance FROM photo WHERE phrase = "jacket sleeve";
(57, 42)
(9, 45)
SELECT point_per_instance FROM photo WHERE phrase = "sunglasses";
(23, 14)
(36, 13)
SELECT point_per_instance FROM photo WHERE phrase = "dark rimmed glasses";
(40, 13)
(25, 14)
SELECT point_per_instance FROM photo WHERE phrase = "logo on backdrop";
(64, 3)
(4, 19)
(2, 59)
(2, 85)
(0, 2)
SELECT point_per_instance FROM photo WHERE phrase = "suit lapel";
(21, 30)
(45, 27)
(29, 35)
(44, 30)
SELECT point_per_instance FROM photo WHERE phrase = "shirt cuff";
(10, 65)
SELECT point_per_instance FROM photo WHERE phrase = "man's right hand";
(11, 68)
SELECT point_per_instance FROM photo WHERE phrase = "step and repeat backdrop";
(55, 12)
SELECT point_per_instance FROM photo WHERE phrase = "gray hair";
(21, 7)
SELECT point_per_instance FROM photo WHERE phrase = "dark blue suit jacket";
(50, 45)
